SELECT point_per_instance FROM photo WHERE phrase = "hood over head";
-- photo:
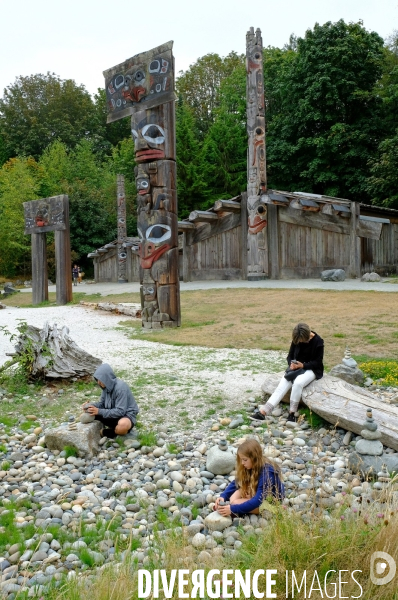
(105, 374)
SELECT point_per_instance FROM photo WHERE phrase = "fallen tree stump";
(51, 353)
(344, 405)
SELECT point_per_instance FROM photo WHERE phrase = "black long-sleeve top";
(310, 354)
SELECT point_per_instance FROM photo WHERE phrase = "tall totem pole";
(143, 87)
(257, 264)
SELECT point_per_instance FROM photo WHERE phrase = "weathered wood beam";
(185, 226)
(344, 405)
(367, 229)
(355, 250)
(227, 206)
(206, 230)
(273, 241)
(244, 228)
(186, 255)
(39, 268)
(202, 216)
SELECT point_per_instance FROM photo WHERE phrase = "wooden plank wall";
(305, 251)
(107, 266)
(384, 253)
(217, 257)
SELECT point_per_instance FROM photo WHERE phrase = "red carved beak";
(149, 254)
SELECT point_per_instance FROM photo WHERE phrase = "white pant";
(284, 386)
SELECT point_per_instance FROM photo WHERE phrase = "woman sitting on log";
(256, 479)
(305, 360)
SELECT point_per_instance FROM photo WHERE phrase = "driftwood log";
(50, 353)
(344, 405)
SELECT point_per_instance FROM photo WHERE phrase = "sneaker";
(292, 418)
(257, 416)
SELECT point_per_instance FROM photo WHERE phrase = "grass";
(70, 451)
(147, 438)
(320, 547)
(373, 331)
(314, 420)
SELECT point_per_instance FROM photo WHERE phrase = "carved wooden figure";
(121, 230)
(144, 87)
(41, 216)
(257, 264)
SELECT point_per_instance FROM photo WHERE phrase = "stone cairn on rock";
(371, 444)
(383, 479)
(348, 370)
(220, 460)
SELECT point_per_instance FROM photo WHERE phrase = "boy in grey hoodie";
(117, 408)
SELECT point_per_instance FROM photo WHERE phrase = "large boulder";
(85, 438)
(350, 374)
(371, 277)
(220, 462)
(369, 466)
(333, 275)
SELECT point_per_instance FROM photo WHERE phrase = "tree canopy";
(332, 128)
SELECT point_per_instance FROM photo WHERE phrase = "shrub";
(384, 370)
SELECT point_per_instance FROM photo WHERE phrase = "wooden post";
(256, 169)
(121, 230)
(186, 255)
(143, 87)
(244, 228)
(355, 266)
(39, 268)
(273, 241)
(41, 216)
(63, 260)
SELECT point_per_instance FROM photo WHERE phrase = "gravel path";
(190, 380)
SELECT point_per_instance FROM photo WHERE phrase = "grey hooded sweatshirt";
(116, 400)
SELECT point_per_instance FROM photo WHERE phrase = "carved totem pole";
(121, 231)
(143, 87)
(257, 264)
(41, 216)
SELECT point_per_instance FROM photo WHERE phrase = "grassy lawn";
(263, 319)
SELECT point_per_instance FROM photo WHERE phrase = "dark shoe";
(292, 418)
(109, 433)
(257, 416)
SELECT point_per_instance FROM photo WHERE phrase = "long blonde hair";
(247, 479)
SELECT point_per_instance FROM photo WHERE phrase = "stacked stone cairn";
(383, 479)
(371, 444)
(348, 370)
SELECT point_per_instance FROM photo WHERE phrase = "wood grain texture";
(344, 405)
(39, 268)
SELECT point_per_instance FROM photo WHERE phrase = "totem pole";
(143, 87)
(121, 230)
(257, 264)
(41, 216)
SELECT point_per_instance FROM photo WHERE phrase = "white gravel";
(186, 379)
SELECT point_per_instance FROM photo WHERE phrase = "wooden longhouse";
(304, 235)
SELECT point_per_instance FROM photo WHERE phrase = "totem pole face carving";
(157, 235)
(257, 217)
(146, 78)
(44, 215)
(152, 139)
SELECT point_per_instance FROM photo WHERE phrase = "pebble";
(130, 485)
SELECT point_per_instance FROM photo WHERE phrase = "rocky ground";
(61, 516)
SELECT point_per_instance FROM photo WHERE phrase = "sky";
(78, 39)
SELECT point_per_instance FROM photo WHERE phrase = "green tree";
(225, 147)
(328, 124)
(107, 135)
(199, 86)
(190, 182)
(20, 180)
(39, 109)
(383, 182)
